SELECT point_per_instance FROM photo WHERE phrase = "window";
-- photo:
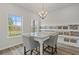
(14, 25)
(34, 25)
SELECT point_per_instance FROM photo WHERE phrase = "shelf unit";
(69, 33)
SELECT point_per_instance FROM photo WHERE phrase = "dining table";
(41, 37)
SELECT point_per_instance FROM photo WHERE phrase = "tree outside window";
(14, 25)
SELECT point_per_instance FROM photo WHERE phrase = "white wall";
(68, 15)
(10, 9)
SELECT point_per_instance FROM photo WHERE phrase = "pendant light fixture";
(43, 13)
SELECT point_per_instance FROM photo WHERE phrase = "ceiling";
(36, 7)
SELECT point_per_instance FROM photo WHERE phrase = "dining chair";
(51, 43)
(30, 44)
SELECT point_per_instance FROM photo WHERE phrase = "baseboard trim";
(10, 46)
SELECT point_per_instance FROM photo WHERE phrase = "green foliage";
(10, 21)
(14, 30)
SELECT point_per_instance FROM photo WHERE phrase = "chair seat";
(30, 43)
(52, 43)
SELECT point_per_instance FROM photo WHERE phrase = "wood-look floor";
(18, 50)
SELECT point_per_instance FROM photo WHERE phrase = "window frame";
(21, 27)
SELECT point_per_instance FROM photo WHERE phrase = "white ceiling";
(36, 7)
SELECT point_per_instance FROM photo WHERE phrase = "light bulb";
(43, 14)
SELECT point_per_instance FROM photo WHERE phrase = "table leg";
(41, 48)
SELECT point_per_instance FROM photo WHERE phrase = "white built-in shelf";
(69, 33)
(69, 44)
(59, 30)
(70, 40)
(71, 37)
